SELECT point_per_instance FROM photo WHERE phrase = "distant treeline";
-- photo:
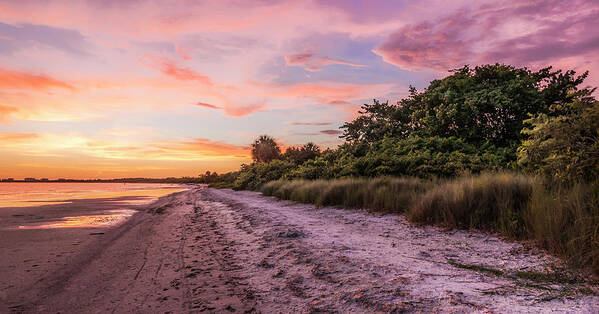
(494, 147)
(198, 179)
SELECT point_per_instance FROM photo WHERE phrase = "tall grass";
(494, 202)
(390, 195)
(564, 221)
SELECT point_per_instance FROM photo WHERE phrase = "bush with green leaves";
(482, 105)
(427, 157)
(302, 153)
(251, 177)
(564, 146)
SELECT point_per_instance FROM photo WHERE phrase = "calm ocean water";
(25, 194)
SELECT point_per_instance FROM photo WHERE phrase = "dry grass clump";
(495, 202)
(566, 221)
(391, 195)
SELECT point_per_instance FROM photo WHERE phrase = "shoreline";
(218, 250)
(33, 250)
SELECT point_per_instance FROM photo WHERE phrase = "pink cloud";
(232, 110)
(324, 92)
(182, 52)
(170, 68)
(240, 111)
(536, 33)
(313, 63)
(203, 104)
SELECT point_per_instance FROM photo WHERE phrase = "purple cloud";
(331, 132)
(521, 33)
(16, 37)
(311, 123)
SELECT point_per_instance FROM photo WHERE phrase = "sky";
(117, 88)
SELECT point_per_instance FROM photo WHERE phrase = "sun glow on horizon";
(112, 89)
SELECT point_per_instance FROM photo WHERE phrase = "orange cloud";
(17, 137)
(170, 68)
(233, 111)
(205, 147)
(13, 80)
(191, 149)
(241, 111)
(6, 111)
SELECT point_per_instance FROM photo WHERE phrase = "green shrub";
(253, 176)
(429, 157)
(565, 146)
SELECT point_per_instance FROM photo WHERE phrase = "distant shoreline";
(133, 180)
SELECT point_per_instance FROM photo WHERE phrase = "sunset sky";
(104, 89)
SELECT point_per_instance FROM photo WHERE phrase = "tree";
(265, 149)
(378, 121)
(564, 146)
(301, 154)
(483, 105)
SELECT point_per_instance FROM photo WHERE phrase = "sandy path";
(222, 251)
(307, 259)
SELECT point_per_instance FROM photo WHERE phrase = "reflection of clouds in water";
(38, 194)
(116, 217)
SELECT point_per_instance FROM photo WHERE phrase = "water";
(75, 205)
(26, 194)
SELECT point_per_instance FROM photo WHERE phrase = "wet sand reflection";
(92, 221)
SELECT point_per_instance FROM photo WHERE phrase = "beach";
(208, 250)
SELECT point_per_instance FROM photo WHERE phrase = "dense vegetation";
(493, 147)
(489, 118)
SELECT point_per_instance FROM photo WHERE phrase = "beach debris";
(290, 234)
